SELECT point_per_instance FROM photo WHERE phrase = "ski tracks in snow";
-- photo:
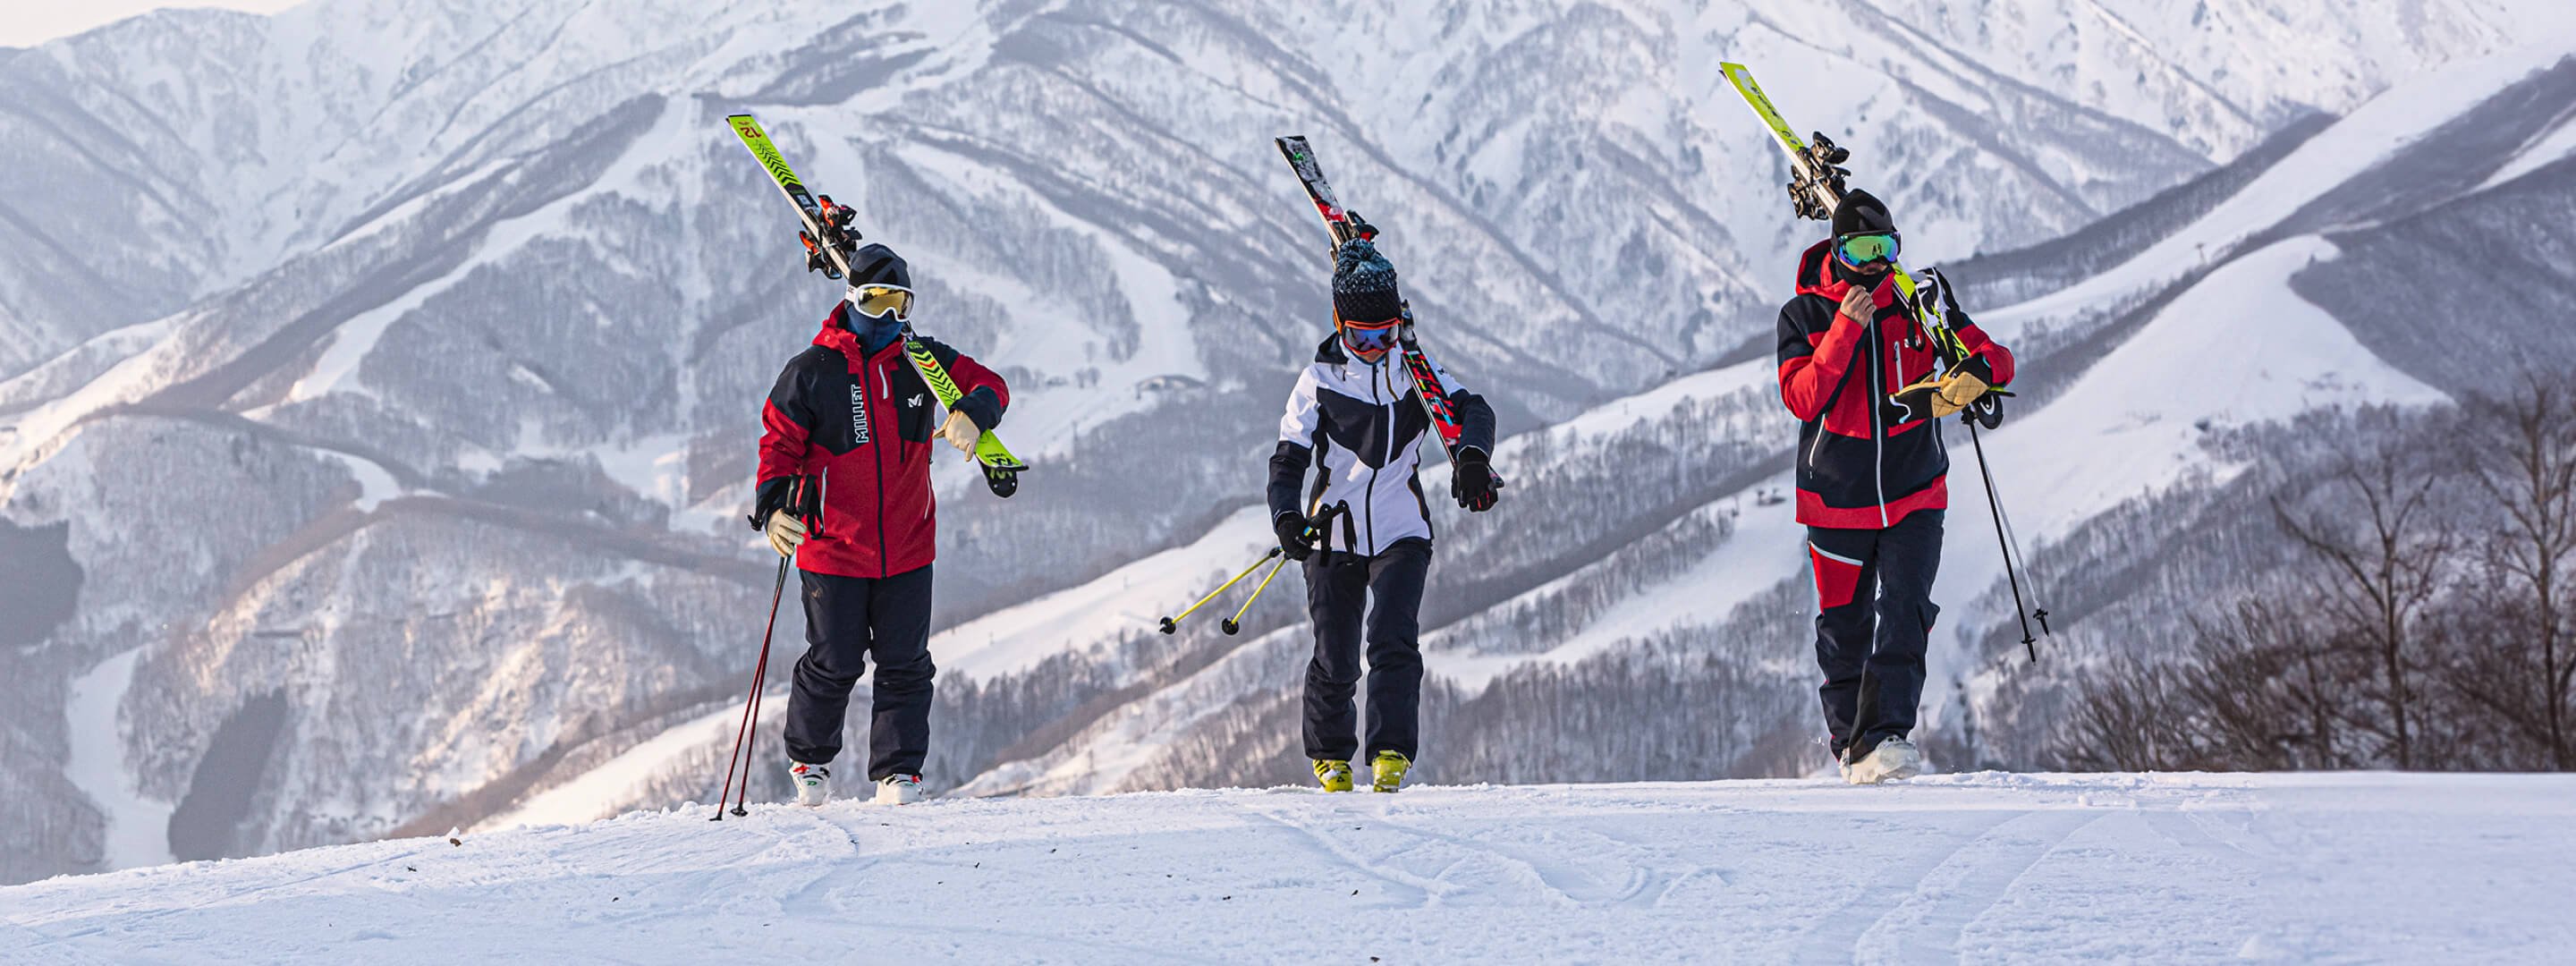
(1565, 866)
(1911, 921)
(1945, 869)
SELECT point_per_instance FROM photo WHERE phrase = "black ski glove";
(1291, 527)
(1471, 481)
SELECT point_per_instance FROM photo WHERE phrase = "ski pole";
(1995, 506)
(759, 690)
(1319, 530)
(1172, 624)
(751, 704)
(805, 502)
(2038, 607)
(1235, 623)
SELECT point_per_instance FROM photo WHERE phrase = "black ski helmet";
(1861, 213)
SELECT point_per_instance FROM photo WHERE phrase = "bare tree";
(2521, 452)
(2425, 621)
(2384, 557)
(2132, 718)
(2263, 689)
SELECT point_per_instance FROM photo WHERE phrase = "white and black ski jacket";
(1362, 426)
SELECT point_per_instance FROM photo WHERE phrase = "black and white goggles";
(874, 301)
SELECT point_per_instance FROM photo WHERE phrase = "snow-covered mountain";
(380, 376)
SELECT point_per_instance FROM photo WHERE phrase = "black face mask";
(1851, 276)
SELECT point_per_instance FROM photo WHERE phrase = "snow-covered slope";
(1984, 868)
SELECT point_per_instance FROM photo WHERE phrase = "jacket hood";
(1814, 278)
(1330, 352)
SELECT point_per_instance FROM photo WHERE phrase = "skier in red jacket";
(1859, 370)
(851, 412)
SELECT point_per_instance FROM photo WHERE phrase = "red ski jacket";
(865, 424)
(1863, 462)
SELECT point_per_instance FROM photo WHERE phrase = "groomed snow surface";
(1971, 868)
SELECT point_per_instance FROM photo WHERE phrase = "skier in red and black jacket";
(851, 412)
(1860, 371)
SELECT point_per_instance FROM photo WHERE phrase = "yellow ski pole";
(1172, 624)
(1235, 623)
(1318, 531)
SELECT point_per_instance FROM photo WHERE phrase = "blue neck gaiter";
(874, 332)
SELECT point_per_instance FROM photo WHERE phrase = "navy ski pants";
(1338, 588)
(848, 619)
(1874, 618)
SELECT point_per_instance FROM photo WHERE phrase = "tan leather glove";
(1858, 304)
(1961, 387)
(1928, 397)
(786, 533)
(960, 431)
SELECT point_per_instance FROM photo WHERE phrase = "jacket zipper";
(1384, 389)
(877, 447)
(1832, 401)
(1877, 433)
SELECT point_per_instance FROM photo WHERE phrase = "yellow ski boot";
(1389, 768)
(1334, 773)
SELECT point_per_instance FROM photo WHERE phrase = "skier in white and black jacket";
(1357, 416)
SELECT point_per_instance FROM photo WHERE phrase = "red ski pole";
(805, 500)
(740, 759)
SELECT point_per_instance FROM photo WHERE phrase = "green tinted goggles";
(1858, 250)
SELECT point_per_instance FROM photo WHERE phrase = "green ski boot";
(1334, 773)
(1389, 768)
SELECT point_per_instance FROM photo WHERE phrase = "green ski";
(1816, 188)
(829, 240)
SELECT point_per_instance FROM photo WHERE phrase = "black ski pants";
(1874, 618)
(1338, 588)
(847, 619)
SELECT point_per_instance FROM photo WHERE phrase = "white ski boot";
(1893, 758)
(813, 783)
(899, 790)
